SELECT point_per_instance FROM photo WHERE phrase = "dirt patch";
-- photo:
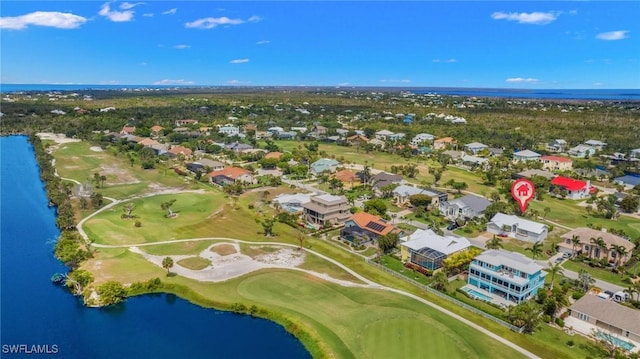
(255, 251)
(283, 257)
(118, 175)
(223, 249)
(96, 149)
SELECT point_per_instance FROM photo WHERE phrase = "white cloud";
(612, 35)
(397, 81)
(263, 42)
(237, 82)
(239, 61)
(170, 11)
(55, 19)
(211, 22)
(149, 14)
(115, 16)
(127, 5)
(343, 84)
(446, 61)
(182, 47)
(173, 82)
(536, 18)
(518, 80)
(598, 84)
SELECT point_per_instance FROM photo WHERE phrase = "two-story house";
(327, 209)
(402, 193)
(587, 243)
(525, 156)
(510, 275)
(556, 163)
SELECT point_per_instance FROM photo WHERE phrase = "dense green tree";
(420, 200)
(525, 314)
(630, 204)
(111, 292)
(78, 279)
(166, 206)
(375, 206)
(440, 281)
(388, 242)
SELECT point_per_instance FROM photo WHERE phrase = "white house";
(582, 151)
(422, 137)
(383, 135)
(526, 155)
(229, 130)
(517, 228)
(595, 143)
(475, 147)
(557, 145)
(635, 153)
(427, 249)
(469, 206)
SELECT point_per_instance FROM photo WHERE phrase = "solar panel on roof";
(375, 226)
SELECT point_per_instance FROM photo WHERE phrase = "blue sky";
(497, 44)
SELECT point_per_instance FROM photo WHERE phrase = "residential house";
(510, 275)
(383, 135)
(422, 138)
(238, 147)
(300, 129)
(427, 249)
(598, 145)
(324, 164)
(475, 147)
(474, 161)
(229, 130)
(156, 130)
(469, 206)
(275, 130)
(318, 131)
(635, 153)
(293, 203)
(402, 193)
(517, 228)
(443, 143)
(629, 181)
(609, 317)
(327, 210)
(214, 165)
(276, 155)
(287, 135)
(558, 145)
(582, 151)
(348, 178)
(364, 227)
(128, 130)
(396, 137)
(261, 135)
(357, 140)
(534, 172)
(383, 179)
(525, 156)
(181, 150)
(147, 142)
(495, 152)
(230, 175)
(590, 249)
(556, 163)
(186, 122)
(576, 189)
(377, 143)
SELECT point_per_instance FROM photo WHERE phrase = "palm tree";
(575, 241)
(602, 247)
(440, 281)
(586, 280)
(494, 243)
(594, 243)
(621, 251)
(555, 269)
(631, 290)
(167, 263)
(536, 250)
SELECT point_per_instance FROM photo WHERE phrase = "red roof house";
(230, 175)
(365, 226)
(576, 189)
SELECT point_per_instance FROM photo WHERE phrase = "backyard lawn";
(598, 273)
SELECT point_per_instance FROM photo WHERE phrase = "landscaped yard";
(397, 266)
(598, 273)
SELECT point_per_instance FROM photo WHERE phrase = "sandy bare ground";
(56, 137)
(225, 267)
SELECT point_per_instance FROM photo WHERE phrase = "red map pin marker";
(523, 191)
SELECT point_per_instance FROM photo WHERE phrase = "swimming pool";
(615, 340)
(477, 295)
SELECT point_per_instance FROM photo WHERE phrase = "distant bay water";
(545, 94)
(34, 311)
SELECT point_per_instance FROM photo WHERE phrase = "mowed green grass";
(371, 323)
(192, 220)
(194, 263)
(567, 213)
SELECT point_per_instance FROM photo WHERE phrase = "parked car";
(452, 226)
(566, 255)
